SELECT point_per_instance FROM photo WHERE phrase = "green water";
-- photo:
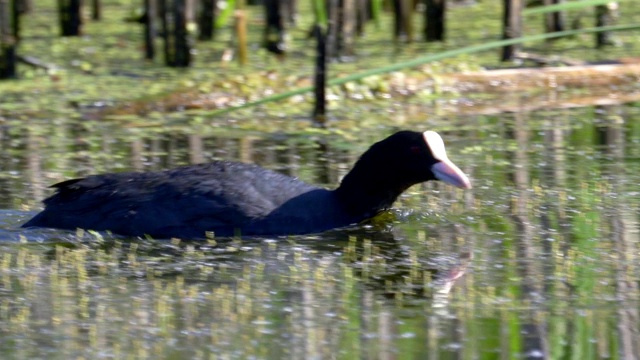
(539, 259)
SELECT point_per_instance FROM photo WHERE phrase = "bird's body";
(187, 201)
(228, 198)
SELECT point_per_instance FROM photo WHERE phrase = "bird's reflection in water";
(383, 260)
(387, 263)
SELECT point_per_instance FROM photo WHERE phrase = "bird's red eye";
(415, 149)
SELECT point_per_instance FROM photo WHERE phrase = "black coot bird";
(229, 198)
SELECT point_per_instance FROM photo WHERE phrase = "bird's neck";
(365, 195)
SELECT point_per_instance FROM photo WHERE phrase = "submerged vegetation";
(541, 257)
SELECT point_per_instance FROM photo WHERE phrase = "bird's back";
(222, 197)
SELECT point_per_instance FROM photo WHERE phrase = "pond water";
(539, 260)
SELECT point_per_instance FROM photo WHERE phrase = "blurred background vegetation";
(105, 66)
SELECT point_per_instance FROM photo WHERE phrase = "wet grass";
(103, 70)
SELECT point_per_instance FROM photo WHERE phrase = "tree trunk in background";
(363, 14)
(25, 6)
(241, 34)
(553, 22)
(7, 40)
(206, 20)
(70, 17)
(150, 33)
(320, 78)
(177, 49)
(182, 47)
(17, 8)
(164, 23)
(604, 17)
(434, 29)
(397, 20)
(407, 14)
(96, 10)
(512, 27)
(289, 11)
(333, 19)
(190, 12)
(274, 32)
(348, 30)
(403, 27)
(342, 28)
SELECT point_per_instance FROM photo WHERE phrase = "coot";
(229, 198)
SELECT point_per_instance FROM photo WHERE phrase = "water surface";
(539, 259)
